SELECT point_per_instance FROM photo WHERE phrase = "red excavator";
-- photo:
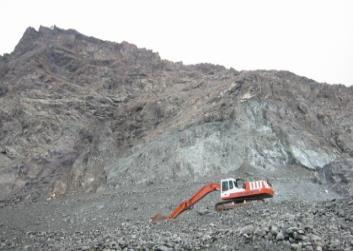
(233, 192)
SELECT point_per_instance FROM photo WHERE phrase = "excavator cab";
(230, 185)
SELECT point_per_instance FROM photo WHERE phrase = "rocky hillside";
(78, 114)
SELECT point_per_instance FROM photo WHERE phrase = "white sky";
(308, 37)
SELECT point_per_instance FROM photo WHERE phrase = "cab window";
(230, 184)
(240, 183)
(225, 186)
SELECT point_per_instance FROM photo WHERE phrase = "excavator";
(233, 192)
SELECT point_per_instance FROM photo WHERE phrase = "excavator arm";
(187, 204)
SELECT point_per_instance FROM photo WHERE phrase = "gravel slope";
(121, 221)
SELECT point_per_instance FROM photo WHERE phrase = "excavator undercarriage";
(226, 205)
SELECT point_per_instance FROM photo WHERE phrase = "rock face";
(78, 114)
(339, 175)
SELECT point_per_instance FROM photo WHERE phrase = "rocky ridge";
(80, 114)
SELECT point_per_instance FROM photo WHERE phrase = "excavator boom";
(187, 204)
(194, 199)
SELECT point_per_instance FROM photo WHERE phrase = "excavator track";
(226, 205)
(230, 204)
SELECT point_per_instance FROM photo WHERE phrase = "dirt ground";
(120, 220)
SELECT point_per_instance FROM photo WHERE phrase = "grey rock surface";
(97, 136)
(80, 114)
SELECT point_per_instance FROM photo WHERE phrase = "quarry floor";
(303, 215)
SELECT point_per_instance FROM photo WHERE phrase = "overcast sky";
(310, 38)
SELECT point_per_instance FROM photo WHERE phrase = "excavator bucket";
(158, 218)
